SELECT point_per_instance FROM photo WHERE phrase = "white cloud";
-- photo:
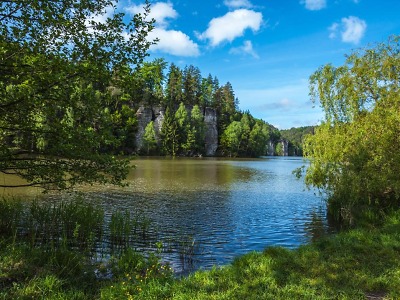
(247, 48)
(333, 30)
(314, 4)
(173, 42)
(352, 29)
(160, 11)
(231, 26)
(238, 3)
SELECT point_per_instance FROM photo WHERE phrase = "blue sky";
(268, 49)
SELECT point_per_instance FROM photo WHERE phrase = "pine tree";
(169, 134)
(149, 138)
(198, 129)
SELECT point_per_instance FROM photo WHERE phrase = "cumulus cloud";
(352, 29)
(160, 11)
(314, 4)
(246, 48)
(173, 42)
(238, 3)
(231, 26)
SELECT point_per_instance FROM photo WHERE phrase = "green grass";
(350, 265)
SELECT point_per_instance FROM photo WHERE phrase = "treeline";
(183, 94)
(295, 136)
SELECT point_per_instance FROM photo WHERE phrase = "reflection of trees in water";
(317, 226)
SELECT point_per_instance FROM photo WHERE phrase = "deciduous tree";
(353, 153)
(57, 62)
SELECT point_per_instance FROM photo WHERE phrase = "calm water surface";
(220, 208)
(227, 207)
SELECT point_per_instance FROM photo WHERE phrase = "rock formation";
(285, 147)
(211, 132)
(270, 148)
(144, 116)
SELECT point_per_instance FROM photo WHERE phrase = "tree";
(231, 138)
(259, 137)
(150, 80)
(169, 134)
(57, 62)
(206, 95)
(191, 85)
(182, 124)
(149, 138)
(352, 152)
(198, 129)
(246, 129)
(174, 89)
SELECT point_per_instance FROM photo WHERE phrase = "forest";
(182, 96)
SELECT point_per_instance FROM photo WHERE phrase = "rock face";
(285, 147)
(270, 148)
(144, 116)
(211, 132)
(159, 115)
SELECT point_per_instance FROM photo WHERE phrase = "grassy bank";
(357, 264)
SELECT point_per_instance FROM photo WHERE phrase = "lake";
(216, 209)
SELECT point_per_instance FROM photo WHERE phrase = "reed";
(73, 224)
(121, 228)
(10, 217)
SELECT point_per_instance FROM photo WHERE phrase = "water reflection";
(207, 211)
(227, 207)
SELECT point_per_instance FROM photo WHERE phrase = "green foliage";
(231, 138)
(279, 149)
(169, 134)
(191, 85)
(296, 137)
(352, 152)
(56, 64)
(174, 89)
(197, 130)
(149, 138)
(183, 128)
(258, 137)
(149, 80)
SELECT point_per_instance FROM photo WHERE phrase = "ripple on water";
(227, 208)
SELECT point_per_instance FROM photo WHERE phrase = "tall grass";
(75, 224)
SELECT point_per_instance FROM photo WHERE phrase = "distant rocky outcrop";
(211, 132)
(270, 148)
(285, 147)
(144, 116)
(159, 115)
(147, 114)
(280, 148)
